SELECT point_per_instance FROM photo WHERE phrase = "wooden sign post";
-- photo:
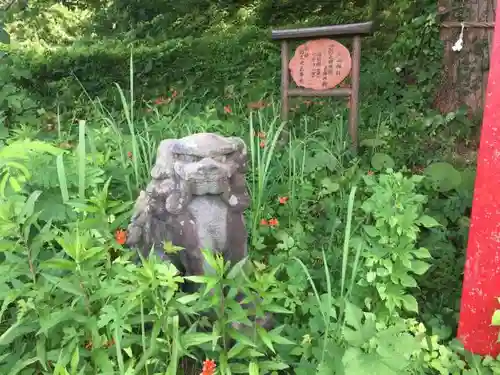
(481, 286)
(321, 64)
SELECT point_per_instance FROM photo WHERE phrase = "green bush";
(246, 60)
(55, 25)
(336, 240)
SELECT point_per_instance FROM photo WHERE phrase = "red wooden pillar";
(481, 286)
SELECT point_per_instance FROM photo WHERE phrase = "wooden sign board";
(319, 65)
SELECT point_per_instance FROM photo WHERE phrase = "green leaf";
(6, 245)
(200, 279)
(14, 184)
(237, 368)
(22, 364)
(374, 142)
(102, 360)
(280, 339)
(265, 337)
(253, 368)
(276, 309)
(64, 285)
(410, 303)
(273, 365)
(329, 186)
(357, 362)
(236, 350)
(92, 252)
(4, 36)
(495, 320)
(361, 334)
(422, 253)
(427, 221)
(75, 359)
(419, 267)
(47, 322)
(59, 264)
(196, 339)
(396, 347)
(3, 183)
(382, 161)
(371, 276)
(371, 230)
(61, 175)
(407, 281)
(41, 352)
(188, 298)
(15, 331)
(170, 248)
(29, 206)
(443, 176)
(21, 167)
(240, 338)
(237, 269)
(211, 259)
(353, 315)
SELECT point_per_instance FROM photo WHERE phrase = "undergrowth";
(358, 256)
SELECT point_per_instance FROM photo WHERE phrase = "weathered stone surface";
(195, 200)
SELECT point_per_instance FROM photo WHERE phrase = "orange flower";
(88, 345)
(261, 135)
(257, 105)
(109, 343)
(65, 145)
(262, 144)
(283, 200)
(129, 155)
(121, 236)
(208, 367)
(369, 173)
(418, 169)
(160, 100)
(227, 109)
(273, 222)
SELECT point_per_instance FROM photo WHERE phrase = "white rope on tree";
(459, 44)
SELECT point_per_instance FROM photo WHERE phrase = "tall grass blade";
(174, 354)
(81, 152)
(347, 239)
(61, 176)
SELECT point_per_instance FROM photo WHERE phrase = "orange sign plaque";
(320, 64)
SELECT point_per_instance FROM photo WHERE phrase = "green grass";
(63, 196)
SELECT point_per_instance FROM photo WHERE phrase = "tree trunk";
(465, 72)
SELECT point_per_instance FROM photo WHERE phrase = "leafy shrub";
(18, 104)
(220, 61)
(351, 260)
(48, 27)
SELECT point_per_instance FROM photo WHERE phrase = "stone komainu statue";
(195, 200)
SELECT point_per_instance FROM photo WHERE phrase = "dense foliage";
(359, 257)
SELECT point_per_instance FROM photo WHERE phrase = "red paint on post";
(481, 286)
